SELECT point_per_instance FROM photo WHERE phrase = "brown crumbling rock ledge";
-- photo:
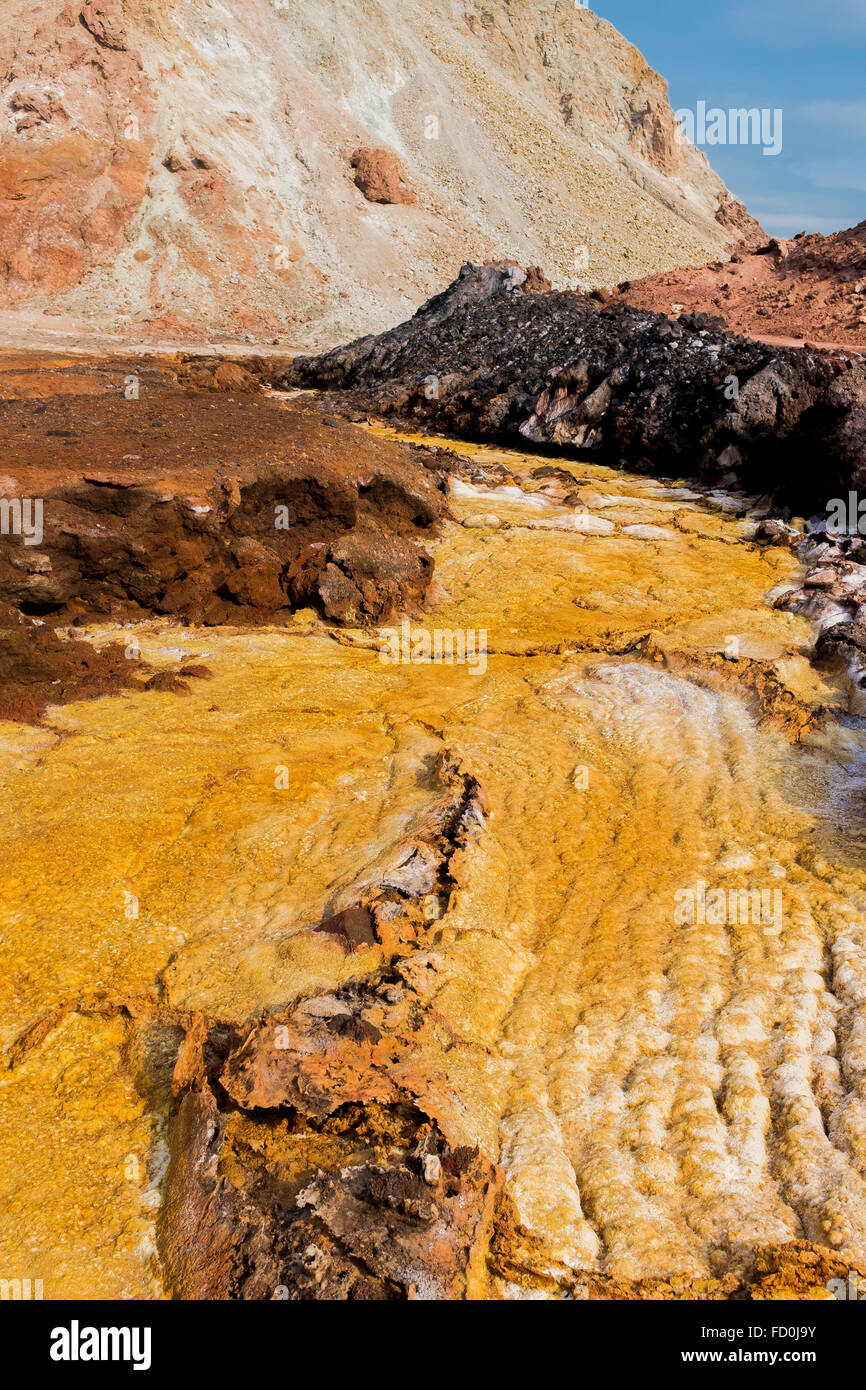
(307, 1158)
(210, 504)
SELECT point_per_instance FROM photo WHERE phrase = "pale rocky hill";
(186, 166)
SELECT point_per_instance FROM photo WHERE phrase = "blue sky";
(809, 59)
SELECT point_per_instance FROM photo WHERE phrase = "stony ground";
(342, 978)
(809, 289)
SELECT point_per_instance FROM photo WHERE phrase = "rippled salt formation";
(662, 1094)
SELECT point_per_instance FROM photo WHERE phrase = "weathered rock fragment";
(380, 177)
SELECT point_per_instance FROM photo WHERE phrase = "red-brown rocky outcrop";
(380, 177)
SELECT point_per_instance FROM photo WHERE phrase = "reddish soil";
(811, 289)
(39, 667)
(175, 486)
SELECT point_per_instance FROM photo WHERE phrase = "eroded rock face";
(212, 200)
(832, 596)
(622, 385)
(219, 510)
(536, 281)
(306, 1163)
(372, 1204)
(71, 177)
(212, 506)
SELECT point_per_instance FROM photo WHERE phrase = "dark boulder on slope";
(623, 386)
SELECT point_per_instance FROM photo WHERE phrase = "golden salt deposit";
(664, 1089)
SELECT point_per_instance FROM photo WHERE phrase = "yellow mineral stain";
(664, 1088)
(81, 1159)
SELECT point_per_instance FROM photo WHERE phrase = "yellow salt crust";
(663, 1095)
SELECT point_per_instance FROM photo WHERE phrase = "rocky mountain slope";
(309, 169)
(811, 287)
